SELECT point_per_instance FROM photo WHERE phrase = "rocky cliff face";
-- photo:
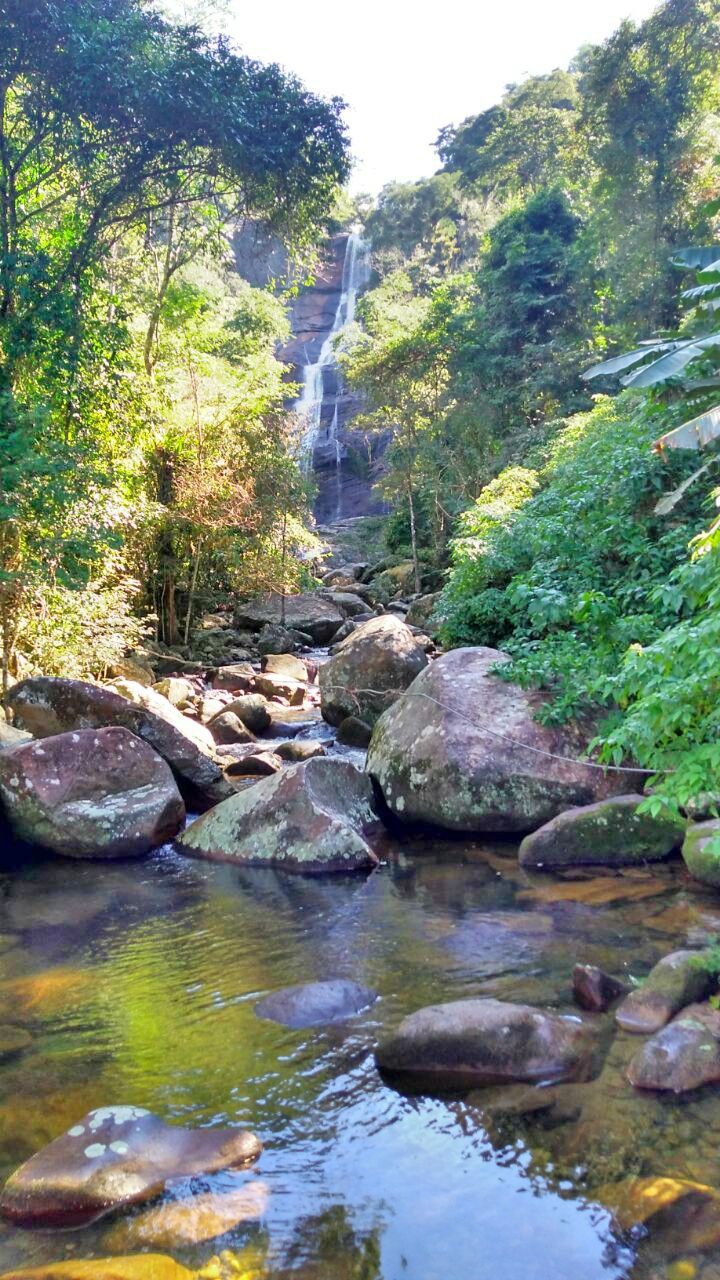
(345, 461)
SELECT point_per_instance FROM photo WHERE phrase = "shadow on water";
(137, 982)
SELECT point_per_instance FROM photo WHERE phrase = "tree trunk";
(413, 535)
(191, 592)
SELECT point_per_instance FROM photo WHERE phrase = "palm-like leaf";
(695, 434)
(608, 368)
(673, 362)
(696, 257)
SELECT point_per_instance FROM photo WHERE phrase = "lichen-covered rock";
(311, 1003)
(177, 690)
(310, 613)
(236, 677)
(462, 749)
(488, 1042)
(315, 816)
(701, 851)
(354, 732)
(370, 670)
(422, 609)
(677, 980)
(46, 705)
(609, 833)
(683, 1055)
(113, 1157)
(92, 794)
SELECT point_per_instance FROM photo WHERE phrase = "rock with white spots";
(45, 706)
(315, 816)
(369, 670)
(461, 749)
(97, 793)
(113, 1157)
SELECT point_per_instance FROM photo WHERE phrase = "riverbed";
(138, 982)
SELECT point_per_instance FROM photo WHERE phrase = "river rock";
(675, 981)
(12, 737)
(311, 1003)
(92, 794)
(45, 706)
(139, 1266)
(192, 1220)
(485, 1041)
(255, 764)
(253, 710)
(315, 816)
(683, 1055)
(594, 990)
(227, 728)
(370, 670)
(286, 665)
(177, 690)
(309, 612)
(609, 833)
(113, 1157)
(236, 677)
(272, 686)
(137, 669)
(13, 1040)
(347, 602)
(300, 749)
(421, 610)
(701, 851)
(354, 732)
(461, 749)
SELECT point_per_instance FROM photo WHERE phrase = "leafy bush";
(567, 567)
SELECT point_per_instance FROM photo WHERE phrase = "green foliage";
(566, 578)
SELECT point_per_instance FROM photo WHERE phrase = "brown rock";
(677, 980)
(113, 1157)
(257, 764)
(354, 732)
(300, 749)
(253, 710)
(286, 665)
(47, 706)
(308, 612)
(187, 1222)
(92, 794)
(462, 750)
(146, 1266)
(237, 677)
(227, 728)
(271, 686)
(370, 670)
(594, 990)
(683, 1056)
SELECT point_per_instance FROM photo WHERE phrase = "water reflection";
(137, 983)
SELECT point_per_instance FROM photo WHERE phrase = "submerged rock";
(141, 1266)
(594, 990)
(675, 981)
(369, 671)
(92, 794)
(309, 612)
(488, 1041)
(461, 749)
(192, 1220)
(683, 1055)
(680, 1216)
(47, 705)
(310, 1003)
(701, 851)
(115, 1156)
(609, 833)
(315, 816)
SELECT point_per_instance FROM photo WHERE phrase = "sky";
(406, 68)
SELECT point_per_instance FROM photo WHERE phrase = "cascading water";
(318, 405)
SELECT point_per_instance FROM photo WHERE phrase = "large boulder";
(311, 1003)
(45, 706)
(461, 749)
(677, 980)
(610, 833)
(113, 1157)
(701, 851)
(488, 1042)
(315, 816)
(372, 667)
(348, 602)
(92, 794)
(319, 618)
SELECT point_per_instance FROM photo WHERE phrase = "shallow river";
(138, 982)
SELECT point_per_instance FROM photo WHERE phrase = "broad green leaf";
(673, 362)
(608, 368)
(695, 434)
(696, 257)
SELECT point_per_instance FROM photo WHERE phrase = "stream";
(138, 980)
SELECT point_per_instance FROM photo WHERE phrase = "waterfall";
(355, 274)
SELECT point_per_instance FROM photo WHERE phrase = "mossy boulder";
(315, 816)
(701, 851)
(612, 833)
(684, 1055)
(676, 981)
(462, 749)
